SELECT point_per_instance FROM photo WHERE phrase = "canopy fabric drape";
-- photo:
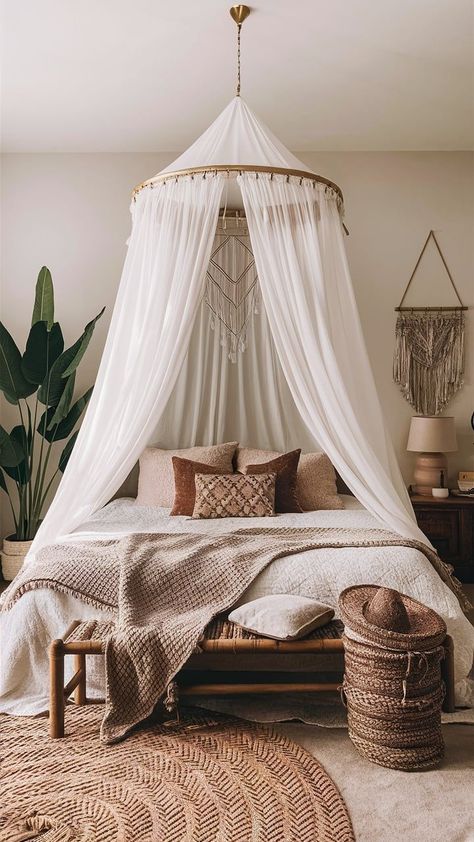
(297, 240)
(297, 235)
(160, 292)
(215, 399)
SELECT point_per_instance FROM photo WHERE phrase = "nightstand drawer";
(449, 524)
(442, 527)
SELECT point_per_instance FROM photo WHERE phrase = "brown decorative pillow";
(234, 495)
(285, 467)
(316, 486)
(185, 471)
(316, 478)
(156, 479)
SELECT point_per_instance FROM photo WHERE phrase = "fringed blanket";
(166, 588)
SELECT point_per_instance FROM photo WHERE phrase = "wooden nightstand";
(449, 524)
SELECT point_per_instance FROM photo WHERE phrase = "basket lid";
(389, 618)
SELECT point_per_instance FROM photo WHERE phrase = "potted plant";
(40, 383)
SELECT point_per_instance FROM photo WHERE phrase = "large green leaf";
(43, 310)
(12, 381)
(64, 458)
(65, 401)
(65, 427)
(43, 347)
(83, 343)
(53, 385)
(10, 454)
(20, 473)
(3, 482)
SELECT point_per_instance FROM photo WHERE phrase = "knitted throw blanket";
(165, 589)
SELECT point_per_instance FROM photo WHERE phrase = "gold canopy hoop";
(302, 175)
(239, 14)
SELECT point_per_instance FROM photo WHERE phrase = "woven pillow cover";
(234, 495)
(285, 467)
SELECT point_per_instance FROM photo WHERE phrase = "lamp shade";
(430, 434)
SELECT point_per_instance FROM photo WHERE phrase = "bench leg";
(80, 691)
(447, 674)
(56, 689)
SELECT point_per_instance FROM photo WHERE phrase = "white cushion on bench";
(282, 616)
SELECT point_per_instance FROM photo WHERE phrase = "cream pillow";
(315, 481)
(282, 616)
(156, 478)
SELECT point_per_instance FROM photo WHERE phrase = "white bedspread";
(42, 615)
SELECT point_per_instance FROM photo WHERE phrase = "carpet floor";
(388, 806)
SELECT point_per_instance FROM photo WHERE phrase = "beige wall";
(70, 212)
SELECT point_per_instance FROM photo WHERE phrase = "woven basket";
(406, 735)
(405, 759)
(394, 705)
(387, 707)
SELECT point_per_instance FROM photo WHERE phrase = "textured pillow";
(156, 479)
(234, 495)
(285, 467)
(282, 616)
(316, 477)
(185, 471)
(316, 485)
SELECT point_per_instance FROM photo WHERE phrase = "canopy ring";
(241, 168)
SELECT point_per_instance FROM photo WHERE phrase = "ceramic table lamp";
(431, 437)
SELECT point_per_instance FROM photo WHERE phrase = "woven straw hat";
(388, 618)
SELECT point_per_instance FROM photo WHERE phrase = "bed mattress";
(42, 615)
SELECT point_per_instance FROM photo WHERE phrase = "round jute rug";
(207, 779)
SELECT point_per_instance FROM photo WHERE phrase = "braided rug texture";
(207, 779)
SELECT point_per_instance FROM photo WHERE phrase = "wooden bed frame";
(221, 639)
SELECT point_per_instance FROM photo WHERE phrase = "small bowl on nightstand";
(440, 492)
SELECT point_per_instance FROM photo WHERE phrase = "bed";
(43, 615)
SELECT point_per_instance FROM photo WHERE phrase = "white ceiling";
(150, 75)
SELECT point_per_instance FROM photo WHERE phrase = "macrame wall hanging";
(232, 293)
(428, 362)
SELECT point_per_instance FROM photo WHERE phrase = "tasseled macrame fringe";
(428, 362)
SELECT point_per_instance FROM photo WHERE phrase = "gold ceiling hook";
(239, 14)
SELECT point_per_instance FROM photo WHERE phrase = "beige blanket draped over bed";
(165, 589)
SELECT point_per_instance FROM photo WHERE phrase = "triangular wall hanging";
(232, 292)
(428, 362)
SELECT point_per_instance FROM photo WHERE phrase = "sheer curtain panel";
(162, 285)
(297, 241)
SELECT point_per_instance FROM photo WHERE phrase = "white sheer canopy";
(316, 360)
(159, 295)
(297, 240)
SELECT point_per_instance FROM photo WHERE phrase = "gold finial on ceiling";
(239, 14)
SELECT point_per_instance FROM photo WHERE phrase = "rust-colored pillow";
(185, 471)
(234, 495)
(316, 481)
(285, 467)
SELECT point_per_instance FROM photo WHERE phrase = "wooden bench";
(221, 640)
